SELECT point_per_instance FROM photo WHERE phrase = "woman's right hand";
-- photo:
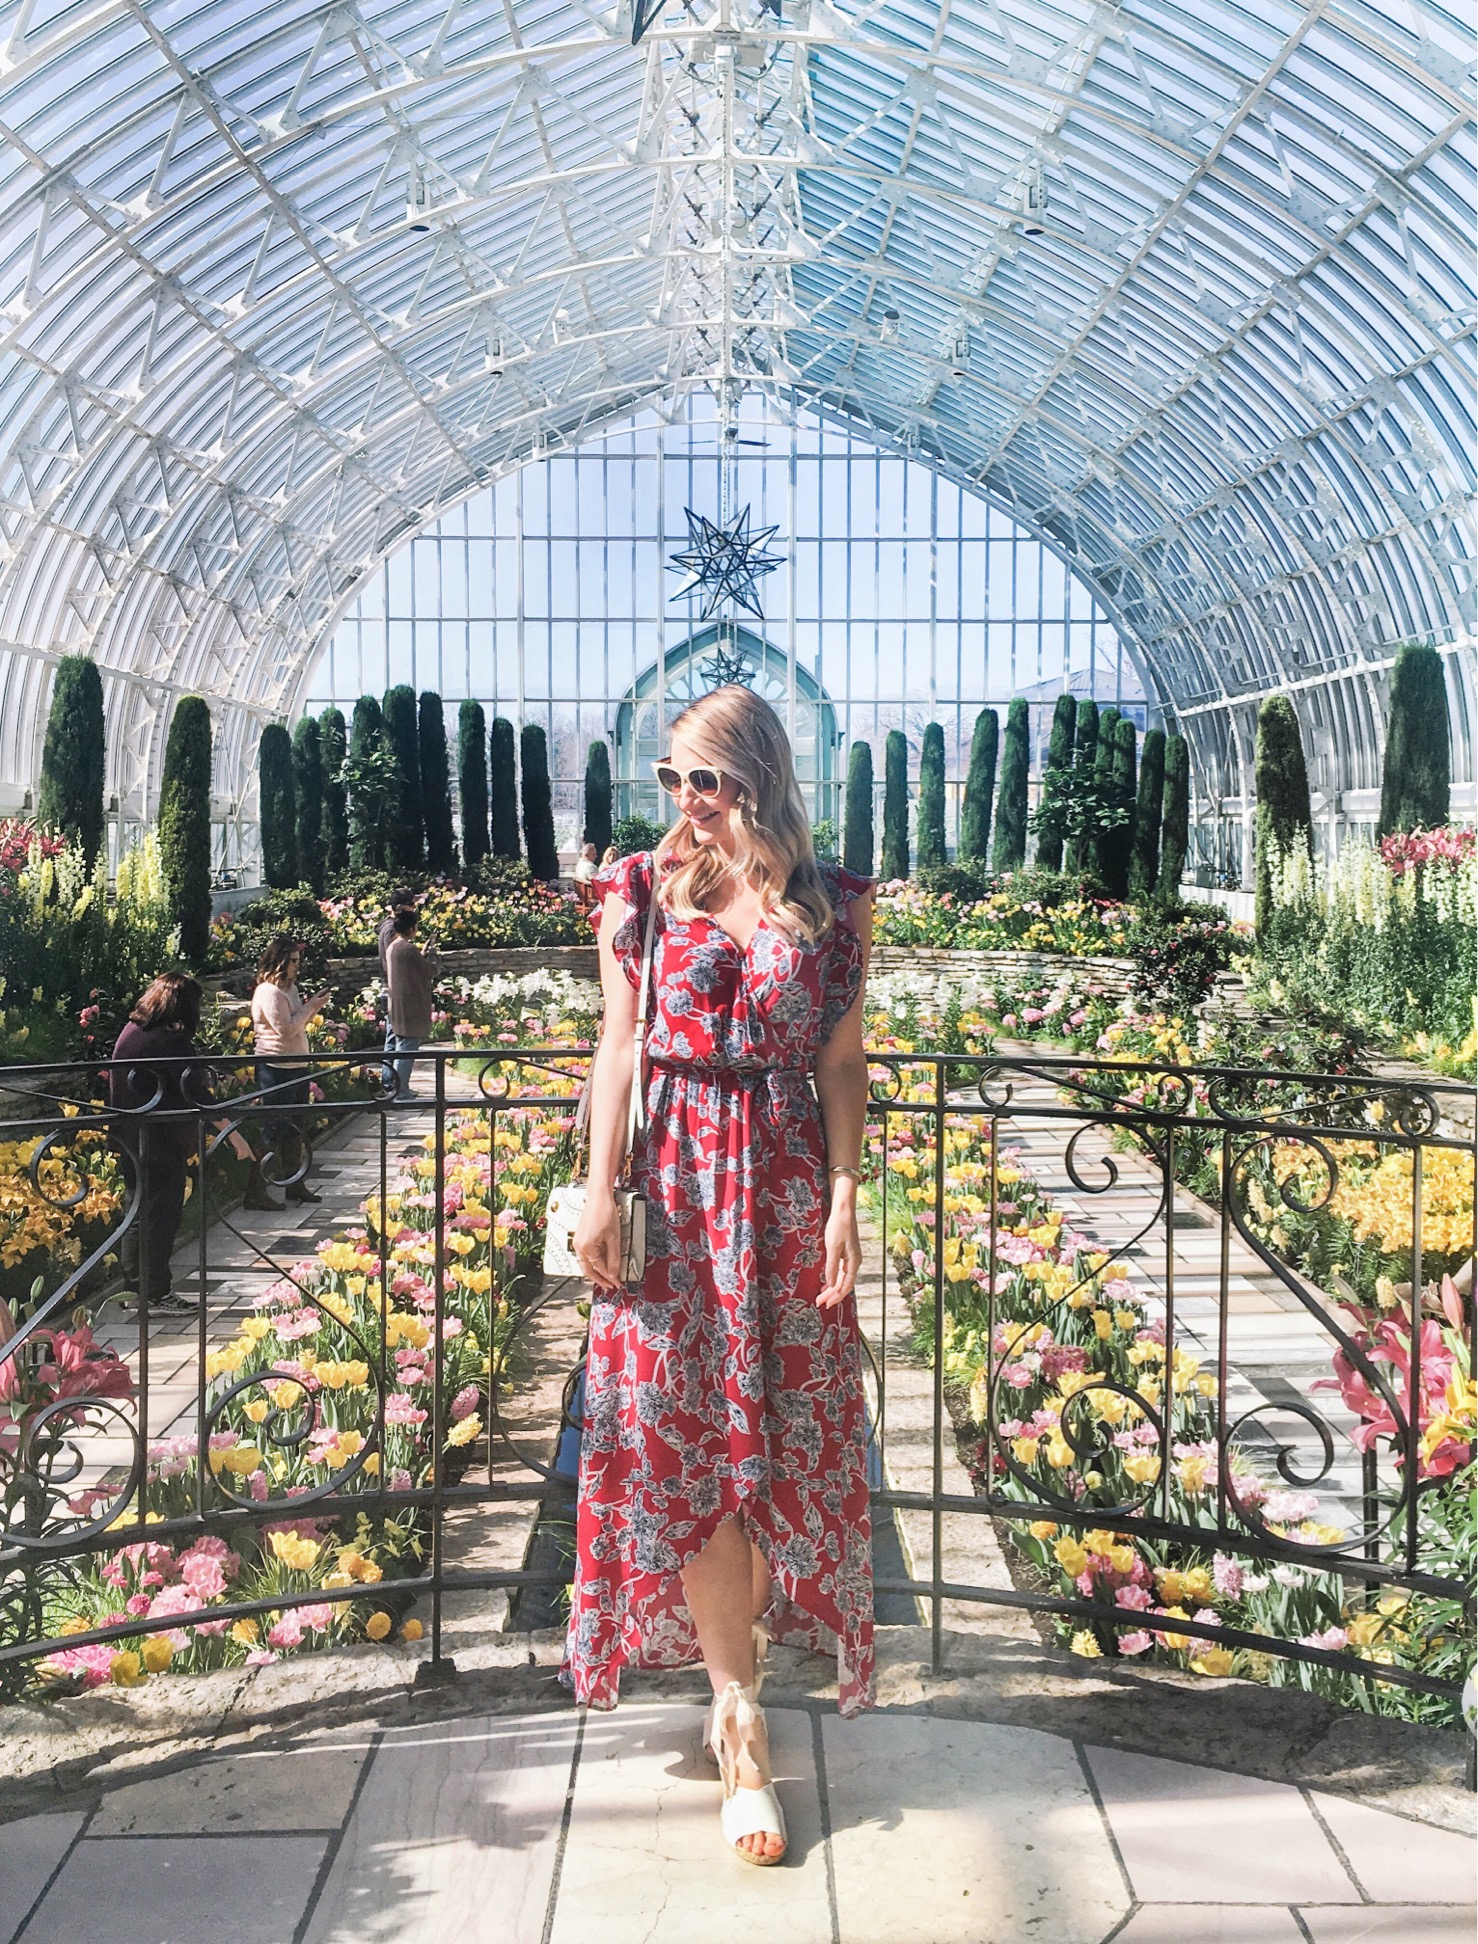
(597, 1240)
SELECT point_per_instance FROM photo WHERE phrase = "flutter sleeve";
(845, 888)
(630, 880)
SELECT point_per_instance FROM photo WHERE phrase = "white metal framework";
(1186, 289)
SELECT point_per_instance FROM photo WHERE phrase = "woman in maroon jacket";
(157, 1083)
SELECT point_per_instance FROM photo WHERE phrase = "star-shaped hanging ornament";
(724, 562)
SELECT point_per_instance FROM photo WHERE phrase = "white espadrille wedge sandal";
(746, 1812)
(761, 1656)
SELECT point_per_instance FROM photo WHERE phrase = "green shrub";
(633, 834)
(980, 788)
(1080, 854)
(503, 791)
(184, 823)
(277, 808)
(596, 828)
(858, 844)
(1416, 782)
(436, 786)
(1051, 826)
(73, 757)
(295, 912)
(1011, 796)
(308, 802)
(332, 749)
(405, 842)
(1175, 816)
(472, 783)
(931, 797)
(538, 803)
(370, 778)
(1116, 832)
(1285, 823)
(1144, 856)
(895, 806)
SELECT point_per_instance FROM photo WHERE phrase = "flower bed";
(1054, 1367)
(294, 1406)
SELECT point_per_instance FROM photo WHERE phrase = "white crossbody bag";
(567, 1201)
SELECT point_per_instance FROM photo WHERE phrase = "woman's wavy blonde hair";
(738, 733)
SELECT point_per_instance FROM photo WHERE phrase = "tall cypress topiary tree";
(436, 785)
(472, 783)
(980, 789)
(1011, 798)
(308, 803)
(538, 803)
(73, 757)
(1280, 782)
(1059, 762)
(184, 823)
(599, 805)
(503, 794)
(367, 786)
(857, 837)
(333, 747)
(277, 808)
(1416, 783)
(1085, 767)
(405, 844)
(1103, 779)
(1144, 855)
(1117, 840)
(1175, 816)
(895, 806)
(931, 797)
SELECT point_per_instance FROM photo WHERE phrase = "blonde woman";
(723, 1480)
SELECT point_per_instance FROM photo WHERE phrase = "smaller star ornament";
(724, 562)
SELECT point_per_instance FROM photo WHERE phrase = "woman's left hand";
(843, 1252)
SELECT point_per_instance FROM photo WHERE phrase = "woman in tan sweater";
(279, 1018)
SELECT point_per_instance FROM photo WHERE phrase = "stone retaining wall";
(1113, 974)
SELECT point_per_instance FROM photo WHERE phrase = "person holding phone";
(279, 1017)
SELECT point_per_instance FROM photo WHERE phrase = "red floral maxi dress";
(718, 1387)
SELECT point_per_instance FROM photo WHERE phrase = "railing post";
(441, 1667)
(936, 1563)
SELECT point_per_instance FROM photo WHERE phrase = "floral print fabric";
(718, 1387)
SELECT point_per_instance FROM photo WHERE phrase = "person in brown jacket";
(410, 974)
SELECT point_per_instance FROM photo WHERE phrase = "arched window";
(717, 654)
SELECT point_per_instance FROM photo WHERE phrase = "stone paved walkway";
(558, 1828)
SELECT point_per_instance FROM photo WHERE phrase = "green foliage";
(1048, 825)
(1175, 816)
(308, 793)
(1144, 856)
(436, 786)
(931, 797)
(1177, 953)
(596, 828)
(1080, 854)
(295, 912)
(503, 793)
(332, 749)
(70, 798)
(1116, 824)
(858, 843)
(472, 783)
(633, 834)
(1285, 823)
(980, 788)
(895, 806)
(538, 803)
(1011, 796)
(184, 823)
(824, 837)
(370, 776)
(277, 809)
(1416, 784)
(405, 843)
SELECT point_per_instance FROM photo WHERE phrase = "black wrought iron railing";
(1195, 1344)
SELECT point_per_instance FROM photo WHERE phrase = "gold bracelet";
(856, 1173)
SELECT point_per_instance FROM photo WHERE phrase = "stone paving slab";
(558, 1827)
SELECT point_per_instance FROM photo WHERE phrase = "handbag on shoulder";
(567, 1201)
